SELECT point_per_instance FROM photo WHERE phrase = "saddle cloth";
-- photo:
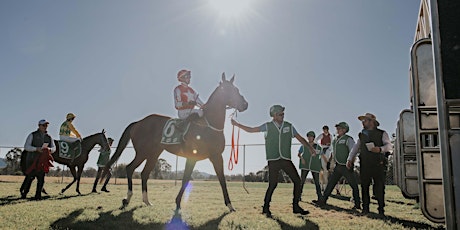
(69, 150)
(171, 135)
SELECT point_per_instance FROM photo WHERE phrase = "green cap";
(311, 133)
(343, 125)
(276, 109)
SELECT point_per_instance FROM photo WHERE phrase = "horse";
(87, 144)
(203, 140)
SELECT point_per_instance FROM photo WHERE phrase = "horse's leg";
(129, 175)
(189, 165)
(98, 175)
(145, 176)
(79, 172)
(72, 170)
(218, 163)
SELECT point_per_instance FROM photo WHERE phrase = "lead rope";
(234, 150)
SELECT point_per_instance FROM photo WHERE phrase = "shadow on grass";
(394, 220)
(308, 224)
(340, 197)
(125, 220)
(405, 223)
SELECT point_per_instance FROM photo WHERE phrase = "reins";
(234, 149)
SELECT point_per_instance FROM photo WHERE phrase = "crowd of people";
(372, 145)
(315, 154)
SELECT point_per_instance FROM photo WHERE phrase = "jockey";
(67, 132)
(185, 98)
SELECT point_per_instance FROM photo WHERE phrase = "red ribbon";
(234, 150)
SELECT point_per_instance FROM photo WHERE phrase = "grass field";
(202, 208)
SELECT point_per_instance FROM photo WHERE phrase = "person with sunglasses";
(372, 145)
(37, 143)
(278, 141)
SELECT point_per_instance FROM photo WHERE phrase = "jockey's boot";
(184, 122)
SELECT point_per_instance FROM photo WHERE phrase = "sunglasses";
(44, 125)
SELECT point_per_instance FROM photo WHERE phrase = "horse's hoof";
(230, 208)
(124, 202)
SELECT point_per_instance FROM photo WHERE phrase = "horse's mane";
(90, 136)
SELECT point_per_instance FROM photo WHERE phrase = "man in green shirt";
(278, 138)
(341, 147)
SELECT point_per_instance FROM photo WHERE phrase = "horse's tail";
(125, 137)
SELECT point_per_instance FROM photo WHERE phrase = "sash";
(171, 135)
(69, 150)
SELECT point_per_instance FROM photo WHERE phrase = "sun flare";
(230, 9)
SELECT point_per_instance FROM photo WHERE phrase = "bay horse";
(204, 140)
(87, 144)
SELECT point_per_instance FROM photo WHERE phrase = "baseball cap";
(43, 121)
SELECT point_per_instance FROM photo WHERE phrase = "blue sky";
(115, 62)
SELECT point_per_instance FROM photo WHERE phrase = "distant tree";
(161, 170)
(13, 161)
(89, 172)
(119, 171)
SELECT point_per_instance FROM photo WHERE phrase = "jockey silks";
(278, 141)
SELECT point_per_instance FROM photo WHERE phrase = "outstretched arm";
(245, 128)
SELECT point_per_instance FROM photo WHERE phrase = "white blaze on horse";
(146, 136)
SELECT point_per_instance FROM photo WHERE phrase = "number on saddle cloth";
(171, 135)
(69, 150)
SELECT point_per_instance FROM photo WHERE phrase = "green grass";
(203, 208)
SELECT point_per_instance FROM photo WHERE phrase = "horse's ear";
(232, 79)
(103, 131)
(223, 76)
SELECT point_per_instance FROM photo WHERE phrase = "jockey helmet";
(343, 125)
(311, 133)
(276, 109)
(70, 116)
(182, 74)
(110, 139)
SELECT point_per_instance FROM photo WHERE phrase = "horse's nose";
(244, 106)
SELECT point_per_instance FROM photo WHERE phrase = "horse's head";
(102, 140)
(232, 96)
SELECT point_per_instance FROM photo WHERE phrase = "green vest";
(104, 157)
(278, 141)
(341, 150)
(312, 163)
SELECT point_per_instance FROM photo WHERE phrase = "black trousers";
(25, 188)
(273, 171)
(315, 175)
(376, 172)
(339, 171)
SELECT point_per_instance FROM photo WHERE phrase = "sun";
(230, 9)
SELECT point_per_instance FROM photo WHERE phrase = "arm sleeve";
(318, 138)
(263, 128)
(28, 145)
(354, 150)
(52, 146)
(386, 143)
(177, 99)
(72, 128)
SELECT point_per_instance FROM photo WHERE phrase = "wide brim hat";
(369, 116)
